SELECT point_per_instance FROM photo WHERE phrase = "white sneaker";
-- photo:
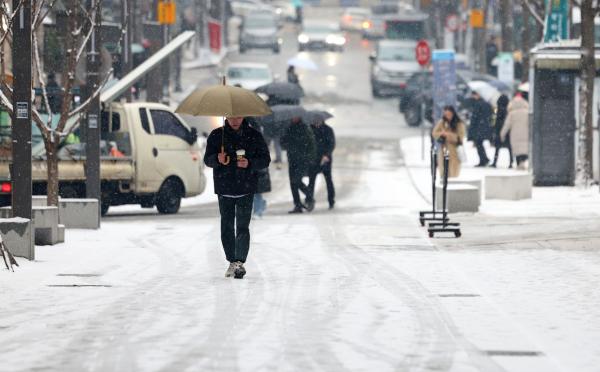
(230, 270)
(239, 271)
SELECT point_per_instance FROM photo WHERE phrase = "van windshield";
(248, 73)
(405, 30)
(259, 22)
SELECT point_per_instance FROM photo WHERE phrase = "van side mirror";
(372, 57)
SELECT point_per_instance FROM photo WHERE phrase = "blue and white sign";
(444, 81)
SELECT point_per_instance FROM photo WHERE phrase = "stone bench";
(461, 198)
(79, 213)
(17, 236)
(509, 186)
(45, 224)
(475, 182)
(74, 213)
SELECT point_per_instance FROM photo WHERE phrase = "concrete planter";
(17, 236)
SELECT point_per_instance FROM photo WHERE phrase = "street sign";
(166, 12)
(477, 18)
(556, 25)
(444, 81)
(423, 53)
(452, 22)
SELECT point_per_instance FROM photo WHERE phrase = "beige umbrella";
(225, 101)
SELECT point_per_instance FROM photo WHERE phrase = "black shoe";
(331, 205)
(483, 164)
(310, 204)
(239, 270)
(493, 165)
(297, 209)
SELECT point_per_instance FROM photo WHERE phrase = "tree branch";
(533, 12)
(84, 105)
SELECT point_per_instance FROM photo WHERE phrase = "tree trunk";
(483, 39)
(506, 20)
(52, 171)
(586, 94)
(526, 43)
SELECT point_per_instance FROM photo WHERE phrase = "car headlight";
(335, 40)
(278, 11)
(303, 39)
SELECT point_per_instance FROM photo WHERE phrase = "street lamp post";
(21, 119)
(92, 122)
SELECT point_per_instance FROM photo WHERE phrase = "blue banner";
(444, 81)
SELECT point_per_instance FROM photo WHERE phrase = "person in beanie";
(325, 139)
(517, 127)
(299, 141)
(236, 152)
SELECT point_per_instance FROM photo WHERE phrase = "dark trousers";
(235, 231)
(509, 147)
(297, 185)
(483, 159)
(522, 158)
(326, 170)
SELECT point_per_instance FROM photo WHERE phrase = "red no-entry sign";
(423, 53)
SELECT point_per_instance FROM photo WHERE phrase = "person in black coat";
(236, 152)
(299, 141)
(479, 128)
(325, 140)
(501, 113)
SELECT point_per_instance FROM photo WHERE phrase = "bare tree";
(531, 9)
(589, 10)
(79, 18)
(507, 24)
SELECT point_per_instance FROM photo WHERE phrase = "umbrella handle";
(227, 158)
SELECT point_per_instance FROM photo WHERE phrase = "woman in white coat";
(517, 123)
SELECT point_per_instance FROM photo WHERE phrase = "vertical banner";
(506, 68)
(556, 25)
(214, 36)
(444, 81)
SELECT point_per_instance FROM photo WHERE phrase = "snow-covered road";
(359, 288)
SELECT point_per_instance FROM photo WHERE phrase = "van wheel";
(168, 199)
(104, 207)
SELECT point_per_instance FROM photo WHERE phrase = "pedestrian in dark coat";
(325, 140)
(263, 184)
(479, 128)
(501, 113)
(292, 77)
(236, 152)
(299, 141)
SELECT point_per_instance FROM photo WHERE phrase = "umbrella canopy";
(315, 116)
(223, 100)
(281, 90)
(487, 91)
(282, 114)
(303, 63)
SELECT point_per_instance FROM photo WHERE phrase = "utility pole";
(92, 119)
(21, 119)
(126, 41)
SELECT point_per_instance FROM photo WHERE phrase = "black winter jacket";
(229, 179)
(325, 139)
(299, 141)
(480, 127)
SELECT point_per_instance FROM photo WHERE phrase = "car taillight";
(6, 187)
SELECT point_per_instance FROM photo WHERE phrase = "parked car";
(353, 18)
(249, 75)
(260, 30)
(419, 90)
(321, 35)
(392, 64)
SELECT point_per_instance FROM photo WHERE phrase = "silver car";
(392, 64)
(260, 30)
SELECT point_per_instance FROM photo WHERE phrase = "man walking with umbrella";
(236, 152)
(325, 140)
